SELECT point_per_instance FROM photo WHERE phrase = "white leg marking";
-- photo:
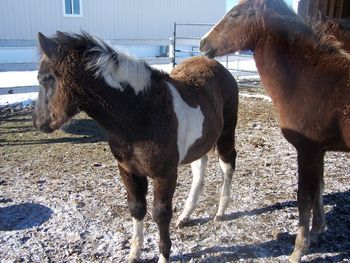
(162, 259)
(227, 172)
(198, 173)
(136, 241)
(190, 123)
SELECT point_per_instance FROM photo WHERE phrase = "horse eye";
(45, 80)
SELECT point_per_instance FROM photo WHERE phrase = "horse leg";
(198, 173)
(318, 215)
(227, 162)
(162, 211)
(136, 187)
(310, 165)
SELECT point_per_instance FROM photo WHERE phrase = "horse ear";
(260, 4)
(47, 45)
(60, 33)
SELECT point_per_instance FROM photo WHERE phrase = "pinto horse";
(154, 121)
(308, 79)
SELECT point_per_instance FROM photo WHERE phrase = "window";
(72, 8)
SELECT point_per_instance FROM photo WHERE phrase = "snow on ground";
(21, 98)
(164, 67)
(18, 78)
(257, 96)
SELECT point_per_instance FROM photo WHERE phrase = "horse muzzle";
(206, 49)
(41, 126)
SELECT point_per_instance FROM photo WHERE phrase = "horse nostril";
(46, 128)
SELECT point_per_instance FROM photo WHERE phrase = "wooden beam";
(346, 9)
(303, 8)
(339, 9)
(313, 7)
(331, 7)
(323, 7)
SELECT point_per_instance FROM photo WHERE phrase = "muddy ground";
(61, 199)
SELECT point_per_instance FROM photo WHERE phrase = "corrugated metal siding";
(109, 19)
(18, 54)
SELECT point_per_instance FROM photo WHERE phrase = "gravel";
(61, 199)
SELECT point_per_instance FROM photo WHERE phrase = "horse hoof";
(181, 222)
(294, 259)
(162, 259)
(314, 239)
(134, 256)
(132, 260)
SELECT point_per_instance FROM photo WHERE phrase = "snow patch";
(21, 98)
(18, 79)
(256, 96)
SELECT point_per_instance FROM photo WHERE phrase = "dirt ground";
(61, 199)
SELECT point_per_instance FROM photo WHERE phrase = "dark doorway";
(330, 8)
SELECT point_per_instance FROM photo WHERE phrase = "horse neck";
(274, 64)
(332, 28)
(120, 112)
(283, 57)
(344, 37)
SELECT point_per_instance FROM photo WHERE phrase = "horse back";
(208, 77)
(206, 84)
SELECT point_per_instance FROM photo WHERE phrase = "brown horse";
(332, 27)
(308, 79)
(154, 121)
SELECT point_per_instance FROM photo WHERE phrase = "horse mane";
(317, 32)
(280, 7)
(324, 28)
(115, 66)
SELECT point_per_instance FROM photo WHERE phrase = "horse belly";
(346, 135)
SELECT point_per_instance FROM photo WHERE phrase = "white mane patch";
(116, 67)
(190, 123)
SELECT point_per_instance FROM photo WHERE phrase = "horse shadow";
(15, 117)
(23, 216)
(88, 130)
(336, 238)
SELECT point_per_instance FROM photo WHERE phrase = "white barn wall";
(109, 19)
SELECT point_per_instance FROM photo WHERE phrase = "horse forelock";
(115, 67)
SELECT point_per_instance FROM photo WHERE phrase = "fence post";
(171, 50)
(174, 46)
